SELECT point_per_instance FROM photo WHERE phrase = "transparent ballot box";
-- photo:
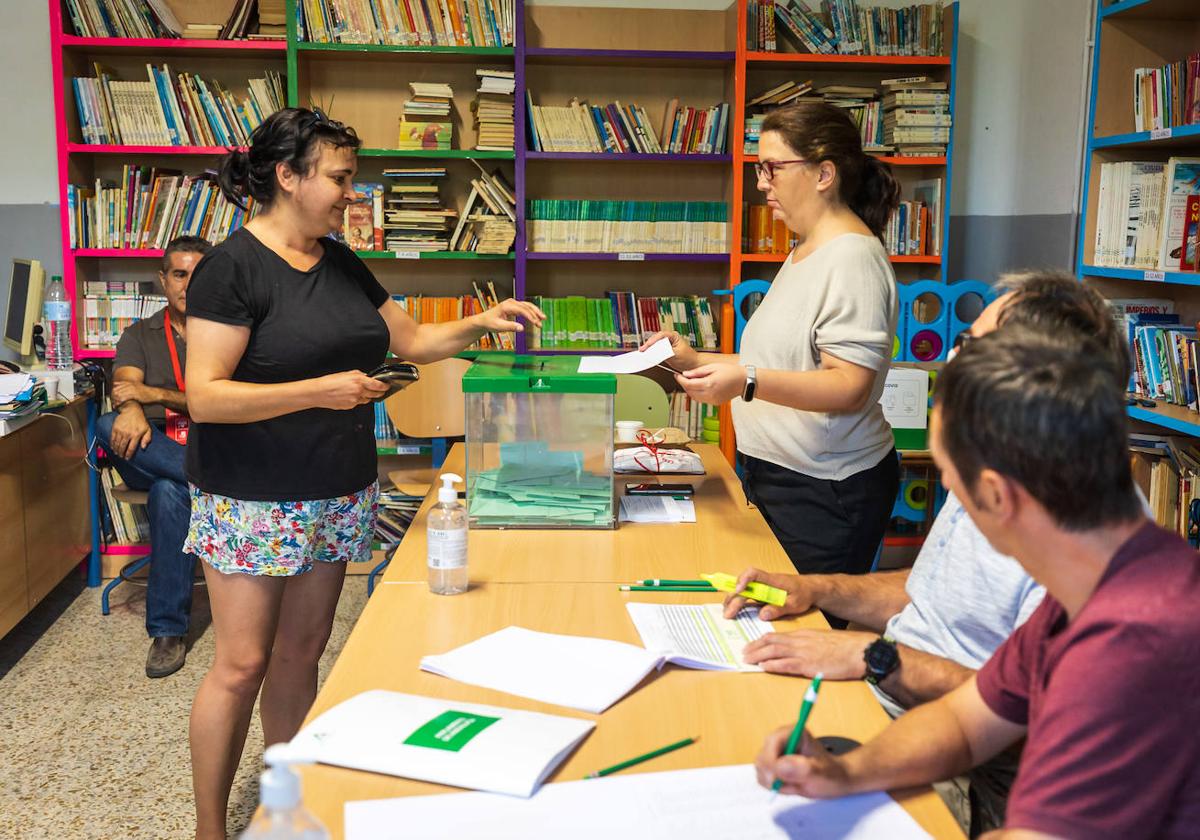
(539, 443)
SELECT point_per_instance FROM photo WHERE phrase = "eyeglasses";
(766, 169)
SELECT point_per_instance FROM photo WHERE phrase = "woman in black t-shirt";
(282, 322)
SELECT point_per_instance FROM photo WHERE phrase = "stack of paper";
(592, 674)
(537, 484)
(657, 509)
(493, 109)
(444, 741)
(710, 803)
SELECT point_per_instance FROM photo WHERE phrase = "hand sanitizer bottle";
(447, 540)
(282, 816)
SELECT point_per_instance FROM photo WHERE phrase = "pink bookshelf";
(103, 149)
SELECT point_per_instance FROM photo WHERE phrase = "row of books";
(442, 23)
(172, 109)
(764, 234)
(122, 523)
(620, 320)
(149, 208)
(1148, 214)
(842, 27)
(122, 19)
(100, 288)
(107, 316)
(1167, 469)
(393, 515)
(627, 129)
(909, 231)
(689, 415)
(437, 310)
(911, 117)
(673, 227)
(1167, 96)
(495, 130)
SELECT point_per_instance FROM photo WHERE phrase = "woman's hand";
(714, 384)
(503, 316)
(685, 357)
(345, 390)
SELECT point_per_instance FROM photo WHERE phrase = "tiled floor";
(90, 748)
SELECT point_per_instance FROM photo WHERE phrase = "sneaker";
(166, 656)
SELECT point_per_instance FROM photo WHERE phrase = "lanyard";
(171, 348)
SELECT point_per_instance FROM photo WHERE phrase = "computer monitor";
(24, 305)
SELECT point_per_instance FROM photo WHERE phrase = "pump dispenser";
(447, 540)
(282, 815)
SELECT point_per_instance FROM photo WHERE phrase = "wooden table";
(731, 712)
(727, 536)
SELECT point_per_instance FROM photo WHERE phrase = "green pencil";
(663, 582)
(628, 588)
(810, 698)
(639, 759)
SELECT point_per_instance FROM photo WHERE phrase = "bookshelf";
(1132, 34)
(643, 56)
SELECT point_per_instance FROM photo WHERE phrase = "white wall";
(28, 173)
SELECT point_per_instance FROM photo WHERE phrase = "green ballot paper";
(755, 591)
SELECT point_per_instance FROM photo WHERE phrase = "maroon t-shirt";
(1111, 701)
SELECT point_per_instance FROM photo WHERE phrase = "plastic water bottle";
(56, 317)
(282, 816)
(447, 540)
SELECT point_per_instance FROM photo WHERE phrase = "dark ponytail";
(291, 135)
(817, 131)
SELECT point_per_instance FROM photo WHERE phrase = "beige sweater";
(840, 299)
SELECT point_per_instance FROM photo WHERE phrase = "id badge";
(177, 427)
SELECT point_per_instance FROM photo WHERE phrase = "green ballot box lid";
(508, 373)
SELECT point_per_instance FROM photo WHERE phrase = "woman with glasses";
(282, 323)
(817, 454)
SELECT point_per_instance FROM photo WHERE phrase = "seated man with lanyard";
(145, 438)
(932, 626)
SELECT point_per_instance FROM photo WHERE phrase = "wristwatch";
(751, 384)
(882, 658)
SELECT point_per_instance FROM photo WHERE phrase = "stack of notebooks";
(107, 316)
(442, 23)
(493, 109)
(272, 20)
(123, 19)
(916, 118)
(622, 320)
(414, 218)
(149, 208)
(488, 224)
(21, 398)
(172, 110)
(438, 310)
(648, 227)
(425, 121)
(1148, 215)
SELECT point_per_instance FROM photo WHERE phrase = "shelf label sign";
(1156, 276)
(629, 256)
(1160, 134)
(408, 255)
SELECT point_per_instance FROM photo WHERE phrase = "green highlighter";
(755, 591)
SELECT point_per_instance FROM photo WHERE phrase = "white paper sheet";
(662, 509)
(13, 384)
(698, 635)
(710, 803)
(377, 731)
(632, 362)
(575, 671)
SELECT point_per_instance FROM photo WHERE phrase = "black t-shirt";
(303, 324)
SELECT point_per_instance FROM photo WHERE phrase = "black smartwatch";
(882, 658)
(751, 384)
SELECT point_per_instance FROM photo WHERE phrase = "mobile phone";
(396, 375)
(659, 490)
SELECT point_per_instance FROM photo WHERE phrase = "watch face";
(882, 658)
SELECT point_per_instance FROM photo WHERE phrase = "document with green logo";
(462, 744)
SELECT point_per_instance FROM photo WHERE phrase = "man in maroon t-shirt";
(1030, 434)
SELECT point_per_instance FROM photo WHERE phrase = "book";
(1189, 258)
(1182, 181)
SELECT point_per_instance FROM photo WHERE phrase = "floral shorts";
(280, 539)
